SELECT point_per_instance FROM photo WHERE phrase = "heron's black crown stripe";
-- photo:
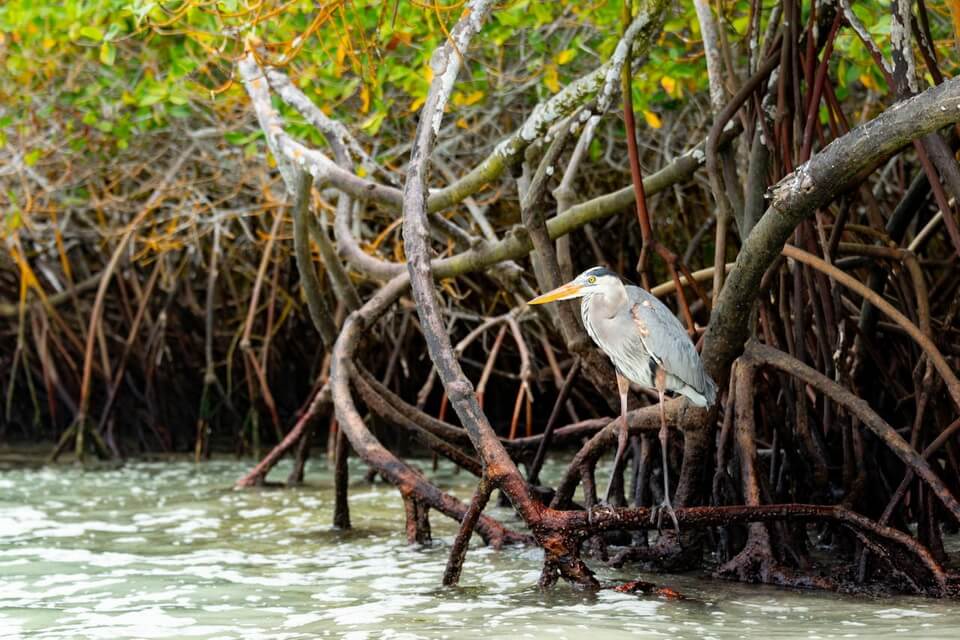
(602, 271)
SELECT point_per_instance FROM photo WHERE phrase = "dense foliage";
(108, 71)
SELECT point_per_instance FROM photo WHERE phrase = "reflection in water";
(167, 550)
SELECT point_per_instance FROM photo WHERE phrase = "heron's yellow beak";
(564, 292)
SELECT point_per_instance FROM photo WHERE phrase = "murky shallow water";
(168, 550)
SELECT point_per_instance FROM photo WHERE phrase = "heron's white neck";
(608, 299)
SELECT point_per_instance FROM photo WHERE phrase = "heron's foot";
(656, 516)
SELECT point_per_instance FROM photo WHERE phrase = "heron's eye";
(592, 279)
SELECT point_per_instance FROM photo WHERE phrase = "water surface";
(168, 550)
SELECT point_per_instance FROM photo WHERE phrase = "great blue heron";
(647, 344)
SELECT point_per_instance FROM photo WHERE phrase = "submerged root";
(562, 560)
(756, 563)
(648, 588)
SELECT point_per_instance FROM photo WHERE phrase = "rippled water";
(168, 550)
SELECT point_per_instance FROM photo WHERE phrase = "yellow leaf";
(551, 78)
(428, 73)
(364, 99)
(565, 56)
(416, 104)
(867, 80)
(462, 123)
(653, 120)
(341, 55)
(108, 53)
(473, 98)
(669, 85)
(954, 6)
(361, 171)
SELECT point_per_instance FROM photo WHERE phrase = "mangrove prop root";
(458, 550)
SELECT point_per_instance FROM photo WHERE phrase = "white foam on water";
(895, 613)
(10, 627)
(21, 520)
(152, 622)
(375, 611)
(301, 619)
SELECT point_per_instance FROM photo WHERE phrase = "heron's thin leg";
(660, 380)
(623, 386)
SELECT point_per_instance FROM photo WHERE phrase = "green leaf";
(241, 138)
(13, 220)
(91, 32)
(372, 124)
(152, 95)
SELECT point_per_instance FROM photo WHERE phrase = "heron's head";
(592, 281)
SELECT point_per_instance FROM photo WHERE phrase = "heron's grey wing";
(668, 342)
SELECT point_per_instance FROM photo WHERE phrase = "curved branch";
(256, 476)
(702, 275)
(316, 303)
(498, 466)
(338, 137)
(839, 166)
(339, 279)
(644, 419)
(506, 154)
(859, 407)
(398, 473)
(382, 408)
(607, 519)
(922, 340)
(517, 242)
